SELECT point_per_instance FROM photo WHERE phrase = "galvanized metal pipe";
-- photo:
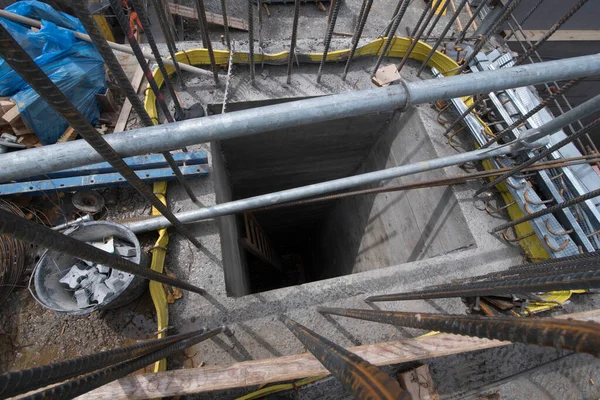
(460, 7)
(578, 336)
(363, 379)
(115, 46)
(30, 162)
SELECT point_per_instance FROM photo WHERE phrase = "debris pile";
(93, 283)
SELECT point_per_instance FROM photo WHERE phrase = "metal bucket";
(52, 266)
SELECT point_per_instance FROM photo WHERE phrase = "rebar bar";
(460, 7)
(137, 51)
(36, 234)
(251, 40)
(578, 336)
(225, 23)
(116, 70)
(293, 41)
(391, 34)
(206, 38)
(414, 39)
(42, 160)
(547, 283)
(15, 56)
(552, 30)
(474, 104)
(141, 11)
(363, 379)
(366, 6)
(388, 27)
(86, 383)
(476, 13)
(504, 132)
(502, 16)
(531, 11)
(329, 34)
(437, 18)
(169, 39)
(541, 155)
(18, 382)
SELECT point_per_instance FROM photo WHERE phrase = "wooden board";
(212, 18)
(126, 109)
(419, 383)
(261, 372)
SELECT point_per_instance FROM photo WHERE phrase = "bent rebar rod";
(94, 380)
(18, 382)
(578, 336)
(15, 56)
(30, 232)
(363, 379)
(30, 162)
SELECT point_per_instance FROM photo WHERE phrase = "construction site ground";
(31, 335)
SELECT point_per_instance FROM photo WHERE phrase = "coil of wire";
(12, 256)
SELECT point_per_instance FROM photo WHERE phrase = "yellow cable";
(280, 388)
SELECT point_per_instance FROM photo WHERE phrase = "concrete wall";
(375, 231)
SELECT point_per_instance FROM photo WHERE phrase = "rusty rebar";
(391, 34)
(438, 17)
(416, 36)
(206, 38)
(476, 13)
(292, 53)
(360, 377)
(552, 281)
(362, 20)
(578, 336)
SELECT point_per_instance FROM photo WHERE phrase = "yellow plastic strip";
(159, 252)
(280, 388)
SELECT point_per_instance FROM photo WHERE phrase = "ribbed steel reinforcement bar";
(292, 53)
(18, 382)
(115, 68)
(169, 38)
(366, 9)
(391, 34)
(531, 11)
(476, 13)
(504, 14)
(363, 379)
(251, 39)
(578, 336)
(416, 35)
(86, 383)
(449, 25)
(335, 8)
(440, 13)
(225, 23)
(206, 38)
(15, 56)
(552, 281)
(30, 162)
(30, 232)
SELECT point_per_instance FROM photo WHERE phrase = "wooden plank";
(68, 135)
(261, 372)
(126, 109)
(419, 383)
(212, 18)
(12, 115)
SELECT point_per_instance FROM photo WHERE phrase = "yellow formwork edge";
(157, 292)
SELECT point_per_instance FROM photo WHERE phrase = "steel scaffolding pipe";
(42, 160)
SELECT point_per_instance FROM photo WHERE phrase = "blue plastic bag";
(73, 65)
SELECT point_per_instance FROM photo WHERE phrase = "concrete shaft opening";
(274, 248)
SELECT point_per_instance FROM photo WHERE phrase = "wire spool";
(12, 256)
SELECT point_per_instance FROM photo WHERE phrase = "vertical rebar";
(535, 7)
(388, 28)
(138, 6)
(206, 38)
(437, 18)
(391, 34)
(360, 377)
(139, 55)
(329, 34)
(357, 35)
(251, 39)
(416, 36)
(225, 23)
(476, 13)
(293, 40)
(15, 56)
(551, 31)
(116, 70)
(169, 39)
(464, 114)
(503, 15)
(462, 4)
